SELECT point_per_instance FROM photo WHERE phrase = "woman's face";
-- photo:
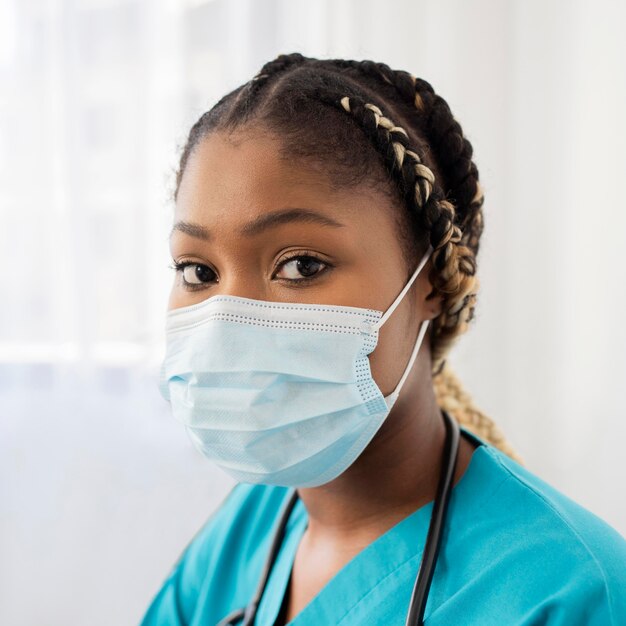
(250, 224)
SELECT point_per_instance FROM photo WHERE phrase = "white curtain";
(100, 489)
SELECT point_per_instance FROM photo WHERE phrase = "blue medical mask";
(278, 393)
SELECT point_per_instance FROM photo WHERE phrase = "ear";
(431, 307)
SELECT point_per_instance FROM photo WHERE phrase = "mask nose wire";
(399, 297)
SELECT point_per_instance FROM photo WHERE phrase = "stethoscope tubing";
(417, 605)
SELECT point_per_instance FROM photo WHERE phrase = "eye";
(194, 274)
(301, 268)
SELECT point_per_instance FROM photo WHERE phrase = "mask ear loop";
(399, 297)
(393, 396)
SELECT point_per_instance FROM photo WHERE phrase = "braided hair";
(364, 123)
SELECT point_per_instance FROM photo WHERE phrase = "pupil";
(203, 273)
(304, 267)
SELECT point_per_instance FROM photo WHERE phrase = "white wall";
(100, 489)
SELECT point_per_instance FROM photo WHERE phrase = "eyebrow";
(261, 223)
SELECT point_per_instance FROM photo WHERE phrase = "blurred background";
(100, 488)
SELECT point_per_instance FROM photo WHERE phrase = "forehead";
(233, 178)
(239, 167)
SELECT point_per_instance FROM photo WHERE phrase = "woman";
(327, 223)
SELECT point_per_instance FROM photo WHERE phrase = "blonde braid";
(452, 397)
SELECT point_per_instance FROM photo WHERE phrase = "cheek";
(179, 297)
(175, 300)
(389, 358)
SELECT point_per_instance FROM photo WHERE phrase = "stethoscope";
(429, 557)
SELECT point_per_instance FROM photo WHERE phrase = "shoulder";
(573, 525)
(556, 551)
(230, 546)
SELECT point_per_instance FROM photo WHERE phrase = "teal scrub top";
(514, 551)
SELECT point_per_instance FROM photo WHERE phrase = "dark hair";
(366, 124)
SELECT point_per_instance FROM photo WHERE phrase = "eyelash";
(179, 267)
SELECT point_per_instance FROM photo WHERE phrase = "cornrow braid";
(453, 150)
(269, 70)
(444, 210)
(239, 105)
(452, 397)
(280, 63)
(454, 154)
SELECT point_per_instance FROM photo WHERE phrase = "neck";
(396, 474)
